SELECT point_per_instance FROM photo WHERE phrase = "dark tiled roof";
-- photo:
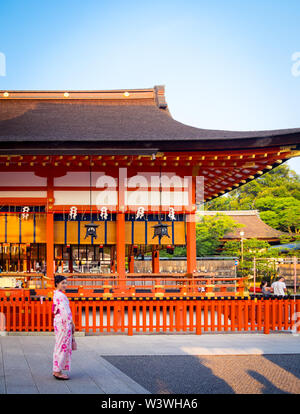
(100, 122)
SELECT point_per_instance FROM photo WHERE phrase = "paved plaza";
(158, 364)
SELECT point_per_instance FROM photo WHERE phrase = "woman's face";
(62, 285)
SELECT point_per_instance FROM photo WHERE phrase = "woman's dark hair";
(263, 282)
(58, 279)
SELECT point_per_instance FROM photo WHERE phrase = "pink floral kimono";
(63, 332)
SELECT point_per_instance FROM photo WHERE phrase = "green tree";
(209, 231)
(276, 195)
(282, 213)
(252, 248)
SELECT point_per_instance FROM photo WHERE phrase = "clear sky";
(226, 64)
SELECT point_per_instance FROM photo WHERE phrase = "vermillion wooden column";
(28, 258)
(50, 232)
(191, 243)
(155, 261)
(121, 246)
(131, 264)
(50, 245)
(112, 260)
(70, 260)
(191, 255)
(120, 233)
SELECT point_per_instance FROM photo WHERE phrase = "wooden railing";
(133, 315)
(159, 285)
(136, 286)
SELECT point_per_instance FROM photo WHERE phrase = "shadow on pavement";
(269, 387)
(286, 362)
(162, 374)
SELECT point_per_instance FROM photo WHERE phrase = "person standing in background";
(279, 287)
(265, 289)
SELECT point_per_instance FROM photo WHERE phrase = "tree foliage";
(276, 195)
(252, 248)
(209, 231)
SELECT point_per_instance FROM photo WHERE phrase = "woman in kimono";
(64, 329)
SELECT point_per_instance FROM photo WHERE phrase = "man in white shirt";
(279, 287)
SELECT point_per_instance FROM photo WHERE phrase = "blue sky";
(226, 64)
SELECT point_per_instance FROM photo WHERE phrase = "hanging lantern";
(161, 230)
(91, 230)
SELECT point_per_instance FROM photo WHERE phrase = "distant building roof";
(253, 227)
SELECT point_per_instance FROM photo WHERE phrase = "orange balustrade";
(133, 315)
(154, 286)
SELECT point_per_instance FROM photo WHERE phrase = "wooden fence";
(139, 315)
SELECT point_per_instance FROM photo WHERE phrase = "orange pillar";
(267, 316)
(70, 260)
(298, 315)
(50, 231)
(155, 261)
(112, 260)
(121, 246)
(50, 246)
(120, 233)
(191, 255)
(191, 243)
(28, 258)
(131, 264)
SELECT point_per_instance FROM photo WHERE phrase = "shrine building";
(89, 180)
(251, 226)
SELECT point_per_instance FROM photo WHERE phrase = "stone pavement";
(165, 364)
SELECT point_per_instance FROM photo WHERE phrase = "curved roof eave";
(101, 119)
